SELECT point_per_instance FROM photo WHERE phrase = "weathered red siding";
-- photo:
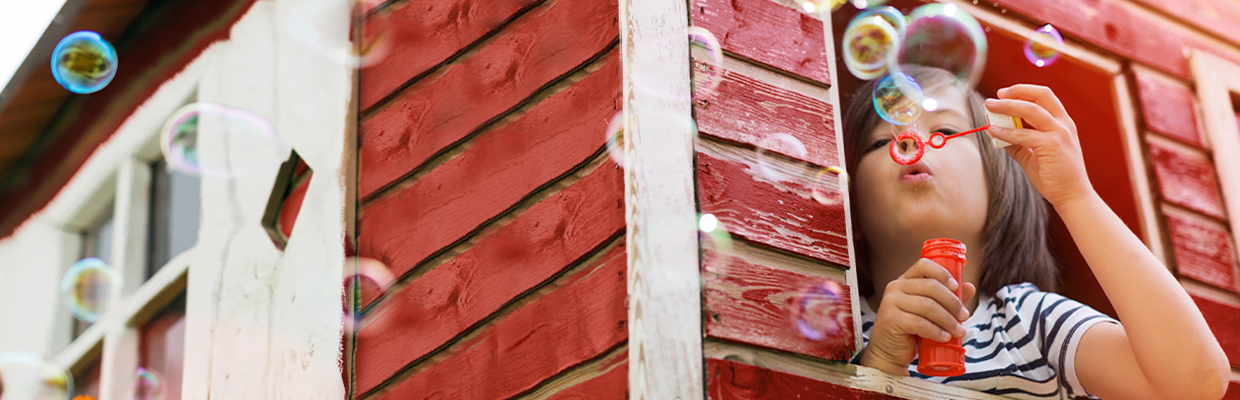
(750, 291)
(485, 186)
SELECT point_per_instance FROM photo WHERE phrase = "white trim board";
(1217, 82)
(664, 285)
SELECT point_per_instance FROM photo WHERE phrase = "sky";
(22, 22)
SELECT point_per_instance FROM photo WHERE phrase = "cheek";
(968, 184)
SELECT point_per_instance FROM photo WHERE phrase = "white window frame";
(1218, 80)
(119, 173)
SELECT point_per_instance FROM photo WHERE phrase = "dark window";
(176, 205)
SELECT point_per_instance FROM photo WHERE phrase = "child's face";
(943, 195)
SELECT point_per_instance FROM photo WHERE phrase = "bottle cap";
(1004, 121)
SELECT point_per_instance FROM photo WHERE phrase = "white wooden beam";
(1217, 80)
(664, 286)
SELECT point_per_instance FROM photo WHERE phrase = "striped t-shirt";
(1019, 343)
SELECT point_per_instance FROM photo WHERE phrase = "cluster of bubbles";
(26, 376)
(148, 385)
(90, 288)
(821, 312)
(83, 62)
(817, 6)
(826, 185)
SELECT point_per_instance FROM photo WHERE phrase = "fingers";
(969, 291)
(1032, 113)
(1041, 95)
(934, 295)
(924, 268)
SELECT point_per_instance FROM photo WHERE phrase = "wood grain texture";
(581, 319)
(766, 32)
(1224, 320)
(726, 379)
(1167, 107)
(1219, 17)
(1118, 27)
(423, 34)
(782, 215)
(748, 110)
(664, 282)
(453, 297)
(754, 301)
(546, 43)
(1203, 251)
(500, 168)
(611, 385)
(1186, 178)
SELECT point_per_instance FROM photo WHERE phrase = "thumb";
(969, 291)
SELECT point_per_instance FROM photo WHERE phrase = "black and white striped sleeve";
(1060, 323)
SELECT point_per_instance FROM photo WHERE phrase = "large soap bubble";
(943, 36)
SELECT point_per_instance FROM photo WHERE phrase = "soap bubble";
(821, 312)
(83, 62)
(817, 6)
(615, 138)
(829, 185)
(708, 66)
(26, 376)
(870, 39)
(713, 235)
(897, 99)
(149, 385)
(318, 25)
(1043, 47)
(943, 36)
(219, 141)
(365, 279)
(863, 4)
(769, 164)
(90, 288)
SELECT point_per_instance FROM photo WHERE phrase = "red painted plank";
(755, 303)
(423, 34)
(1233, 391)
(499, 169)
(1186, 178)
(1202, 251)
(1219, 17)
(449, 299)
(756, 210)
(1224, 321)
(727, 380)
(291, 207)
(612, 385)
(546, 43)
(1168, 107)
(769, 33)
(1117, 27)
(748, 110)
(580, 321)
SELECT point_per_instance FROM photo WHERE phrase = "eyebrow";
(953, 111)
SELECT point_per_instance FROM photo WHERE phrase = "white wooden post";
(664, 286)
(130, 219)
(1217, 80)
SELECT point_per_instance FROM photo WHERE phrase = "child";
(1020, 339)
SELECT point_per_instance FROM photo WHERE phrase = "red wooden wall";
(775, 81)
(484, 184)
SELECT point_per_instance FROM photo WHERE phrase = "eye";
(881, 143)
(947, 131)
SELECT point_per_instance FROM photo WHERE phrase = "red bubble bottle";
(943, 358)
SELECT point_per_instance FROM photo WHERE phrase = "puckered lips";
(918, 172)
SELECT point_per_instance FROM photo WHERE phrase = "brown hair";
(1014, 240)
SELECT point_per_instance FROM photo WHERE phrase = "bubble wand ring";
(937, 140)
